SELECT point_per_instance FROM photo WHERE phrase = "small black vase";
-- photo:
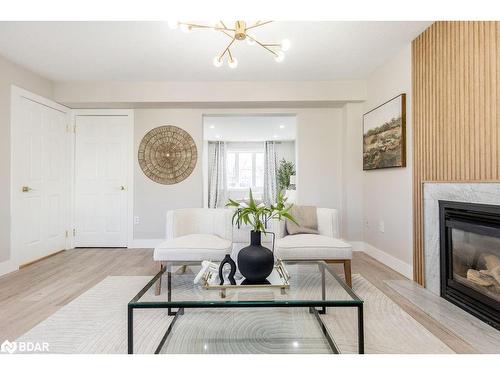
(255, 262)
(227, 260)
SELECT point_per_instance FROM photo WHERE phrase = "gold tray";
(279, 279)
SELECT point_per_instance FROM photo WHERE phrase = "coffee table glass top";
(311, 283)
(238, 319)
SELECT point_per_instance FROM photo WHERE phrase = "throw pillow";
(307, 219)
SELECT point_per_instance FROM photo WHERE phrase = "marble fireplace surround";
(473, 192)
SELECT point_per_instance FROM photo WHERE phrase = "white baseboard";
(145, 243)
(8, 266)
(397, 265)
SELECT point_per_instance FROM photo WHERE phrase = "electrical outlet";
(137, 220)
(381, 226)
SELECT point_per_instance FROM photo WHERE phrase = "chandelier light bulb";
(280, 56)
(285, 44)
(233, 63)
(218, 61)
(173, 24)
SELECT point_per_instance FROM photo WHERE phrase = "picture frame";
(384, 135)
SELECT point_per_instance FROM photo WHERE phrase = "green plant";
(258, 215)
(285, 170)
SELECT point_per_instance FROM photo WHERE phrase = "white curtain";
(270, 167)
(216, 174)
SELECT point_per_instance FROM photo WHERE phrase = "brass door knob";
(122, 187)
(26, 189)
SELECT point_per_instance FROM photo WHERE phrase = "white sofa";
(196, 234)
(193, 235)
(326, 245)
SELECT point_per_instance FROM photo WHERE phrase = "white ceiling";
(150, 51)
(249, 128)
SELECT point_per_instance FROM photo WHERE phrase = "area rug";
(96, 322)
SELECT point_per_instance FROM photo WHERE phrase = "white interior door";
(41, 177)
(102, 161)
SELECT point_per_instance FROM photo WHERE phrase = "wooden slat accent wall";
(456, 111)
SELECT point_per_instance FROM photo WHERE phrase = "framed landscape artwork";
(384, 135)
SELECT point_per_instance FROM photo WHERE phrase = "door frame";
(17, 93)
(129, 114)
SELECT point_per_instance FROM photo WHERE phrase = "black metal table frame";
(182, 305)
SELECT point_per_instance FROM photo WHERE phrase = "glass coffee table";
(312, 285)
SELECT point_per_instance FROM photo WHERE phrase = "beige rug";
(96, 322)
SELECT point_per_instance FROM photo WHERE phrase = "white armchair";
(194, 235)
(326, 245)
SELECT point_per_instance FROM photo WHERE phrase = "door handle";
(122, 187)
(26, 189)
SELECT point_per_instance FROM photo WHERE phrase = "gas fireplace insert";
(470, 258)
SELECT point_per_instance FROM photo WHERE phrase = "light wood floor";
(35, 292)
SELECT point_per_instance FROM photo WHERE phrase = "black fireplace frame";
(476, 218)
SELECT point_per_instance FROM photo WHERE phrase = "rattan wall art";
(167, 155)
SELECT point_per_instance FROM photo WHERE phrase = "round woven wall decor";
(167, 155)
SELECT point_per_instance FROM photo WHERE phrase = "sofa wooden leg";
(160, 266)
(347, 272)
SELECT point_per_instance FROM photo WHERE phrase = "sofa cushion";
(312, 246)
(306, 218)
(193, 247)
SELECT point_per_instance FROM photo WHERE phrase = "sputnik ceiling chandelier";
(240, 32)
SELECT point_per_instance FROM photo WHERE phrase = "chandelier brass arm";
(258, 23)
(266, 46)
(191, 26)
(227, 49)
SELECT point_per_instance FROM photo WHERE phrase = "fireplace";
(470, 258)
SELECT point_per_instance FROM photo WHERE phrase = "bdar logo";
(8, 347)
(24, 347)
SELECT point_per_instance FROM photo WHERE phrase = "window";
(245, 169)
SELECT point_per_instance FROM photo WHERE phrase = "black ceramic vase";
(227, 260)
(255, 262)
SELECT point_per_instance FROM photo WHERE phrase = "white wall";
(319, 157)
(12, 74)
(285, 150)
(352, 173)
(319, 162)
(387, 193)
(152, 200)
